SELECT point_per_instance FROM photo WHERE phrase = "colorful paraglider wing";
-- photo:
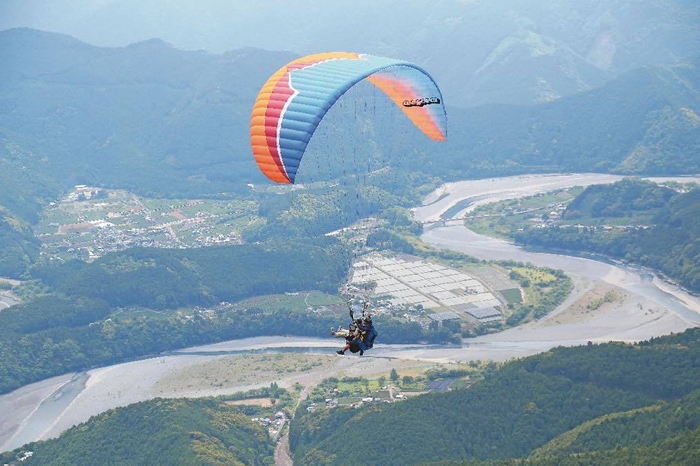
(293, 101)
(416, 95)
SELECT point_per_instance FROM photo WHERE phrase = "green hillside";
(165, 279)
(680, 450)
(18, 247)
(645, 122)
(644, 427)
(156, 432)
(612, 402)
(147, 117)
(635, 220)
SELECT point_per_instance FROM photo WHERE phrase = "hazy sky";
(212, 25)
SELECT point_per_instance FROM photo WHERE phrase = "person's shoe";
(340, 352)
(362, 352)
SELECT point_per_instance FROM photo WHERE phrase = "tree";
(394, 376)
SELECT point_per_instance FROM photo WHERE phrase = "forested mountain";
(165, 279)
(146, 117)
(600, 404)
(597, 89)
(655, 226)
(482, 52)
(156, 432)
(645, 122)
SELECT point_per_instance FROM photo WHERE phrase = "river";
(636, 281)
(649, 308)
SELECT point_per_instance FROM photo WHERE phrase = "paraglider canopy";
(294, 100)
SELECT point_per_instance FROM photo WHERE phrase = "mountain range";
(157, 120)
(482, 52)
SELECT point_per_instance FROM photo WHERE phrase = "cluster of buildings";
(553, 214)
(273, 424)
(126, 223)
(333, 402)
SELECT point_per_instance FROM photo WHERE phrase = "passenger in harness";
(350, 334)
(362, 337)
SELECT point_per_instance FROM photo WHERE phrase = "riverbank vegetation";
(83, 333)
(634, 220)
(538, 291)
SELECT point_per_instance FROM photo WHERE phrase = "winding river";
(650, 308)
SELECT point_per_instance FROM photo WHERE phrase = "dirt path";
(282, 455)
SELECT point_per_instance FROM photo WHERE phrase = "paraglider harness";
(365, 339)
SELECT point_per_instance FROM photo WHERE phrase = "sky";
(213, 25)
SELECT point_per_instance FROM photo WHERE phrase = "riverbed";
(646, 307)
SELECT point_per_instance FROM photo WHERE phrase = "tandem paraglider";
(296, 98)
(360, 334)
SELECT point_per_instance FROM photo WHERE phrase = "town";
(91, 222)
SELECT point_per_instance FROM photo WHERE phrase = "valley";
(643, 308)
